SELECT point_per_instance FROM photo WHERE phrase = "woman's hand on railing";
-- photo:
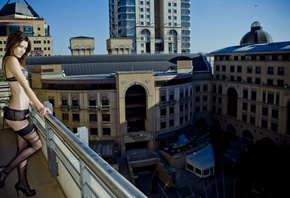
(43, 111)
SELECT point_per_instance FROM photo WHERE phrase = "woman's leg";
(22, 167)
(33, 144)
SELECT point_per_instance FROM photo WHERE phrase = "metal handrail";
(114, 181)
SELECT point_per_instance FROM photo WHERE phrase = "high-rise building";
(155, 26)
(22, 17)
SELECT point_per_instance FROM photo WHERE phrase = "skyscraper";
(155, 26)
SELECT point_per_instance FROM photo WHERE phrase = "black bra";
(13, 79)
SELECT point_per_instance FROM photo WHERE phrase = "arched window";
(105, 101)
(172, 45)
(64, 100)
(145, 34)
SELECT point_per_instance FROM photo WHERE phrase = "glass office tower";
(155, 26)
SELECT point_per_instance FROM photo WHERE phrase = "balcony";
(66, 165)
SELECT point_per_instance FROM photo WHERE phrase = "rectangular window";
(93, 117)
(277, 98)
(76, 117)
(264, 124)
(65, 117)
(270, 97)
(253, 94)
(163, 112)
(106, 131)
(163, 124)
(275, 113)
(245, 106)
(245, 93)
(265, 111)
(257, 81)
(270, 70)
(244, 118)
(224, 68)
(94, 131)
(171, 123)
(249, 69)
(106, 117)
(253, 120)
(281, 70)
(253, 108)
(239, 69)
(232, 69)
(258, 70)
(280, 83)
(249, 79)
(171, 111)
(270, 82)
(274, 126)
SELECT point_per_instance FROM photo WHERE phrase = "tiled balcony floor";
(38, 175)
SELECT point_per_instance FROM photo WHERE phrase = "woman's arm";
(14, 67)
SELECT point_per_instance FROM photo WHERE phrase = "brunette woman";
(16, 113)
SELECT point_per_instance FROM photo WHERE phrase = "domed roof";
(18, 8)
(256, 35)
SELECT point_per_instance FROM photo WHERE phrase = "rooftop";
(107, 64)
(265, 47)
(18, 8)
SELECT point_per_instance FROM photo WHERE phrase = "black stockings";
(27, 146)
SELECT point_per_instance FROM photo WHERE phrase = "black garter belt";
(18, 115)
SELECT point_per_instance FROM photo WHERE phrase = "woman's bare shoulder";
(12, 61)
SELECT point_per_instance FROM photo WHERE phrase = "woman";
(16, 113)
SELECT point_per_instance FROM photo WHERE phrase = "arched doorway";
(231, 129)
(135, 101)
(232, 102)
(247, 135)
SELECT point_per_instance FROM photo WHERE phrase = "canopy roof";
(204, 158)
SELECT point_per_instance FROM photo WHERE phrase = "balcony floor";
(38, 174)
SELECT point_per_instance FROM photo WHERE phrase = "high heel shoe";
(27, 194)
(1, 183)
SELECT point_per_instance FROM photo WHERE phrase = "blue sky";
(215, 24)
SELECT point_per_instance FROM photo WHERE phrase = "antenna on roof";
(8, 1)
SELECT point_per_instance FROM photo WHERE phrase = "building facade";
(22, 17)
(155, 26)
(250, 97)
(119, 99)
(82, 45)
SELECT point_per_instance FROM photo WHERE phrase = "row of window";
(106, 131)
(183, 92)
(182, 119)
(269, 97)
(256, 80)
(265, 57)
(93, 117)
(92, 100)
(39, 42)
(265, 110)
(280, 70)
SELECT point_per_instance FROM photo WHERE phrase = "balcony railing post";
(82, 133)
(51, 155)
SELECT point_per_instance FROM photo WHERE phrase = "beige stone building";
(82, 45)
(119, 45)
(21, 17)
(128, 99)
(251, 90)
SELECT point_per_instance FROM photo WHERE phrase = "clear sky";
(215, 24)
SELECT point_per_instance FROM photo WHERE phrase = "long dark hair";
(13, 40)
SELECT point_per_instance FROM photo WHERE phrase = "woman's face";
(20, 49)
